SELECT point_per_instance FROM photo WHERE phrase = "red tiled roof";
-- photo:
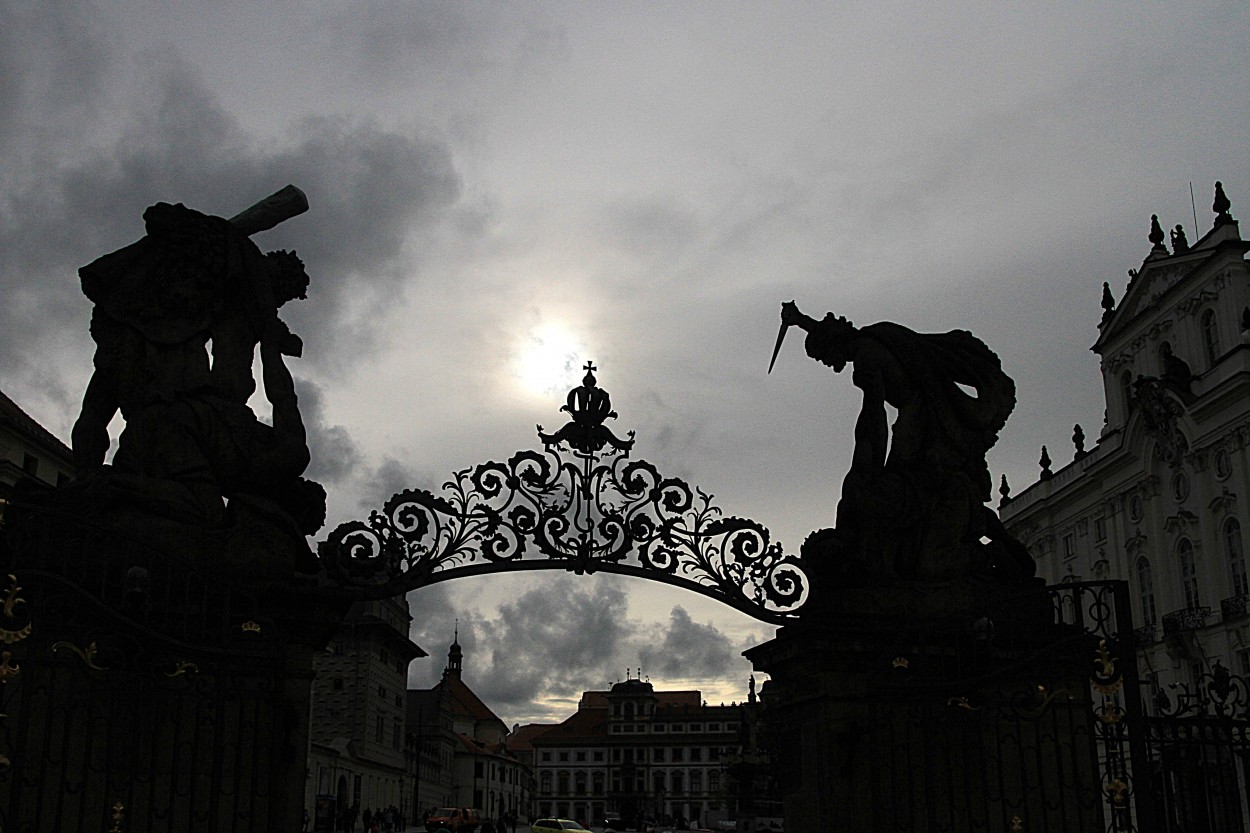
(464, 701)
(664, 699)
(477, 747)
(583, 724)
(522, 739)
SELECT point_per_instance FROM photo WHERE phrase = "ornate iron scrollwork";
(1217, 694)
(581, 504)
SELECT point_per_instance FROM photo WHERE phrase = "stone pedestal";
(146, 693)
(979, 721)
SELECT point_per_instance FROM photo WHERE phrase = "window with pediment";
(1210, 336)
(1236, 557)
(1146, 590)
(1189, 573)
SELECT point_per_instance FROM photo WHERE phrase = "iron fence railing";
(1185, 619)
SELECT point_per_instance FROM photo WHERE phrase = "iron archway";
(582, 505)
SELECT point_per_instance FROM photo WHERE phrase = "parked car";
(557, 826)
(608, 824)
(454, 819)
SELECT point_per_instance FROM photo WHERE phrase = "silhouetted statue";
(1180, 243)
(191, 443)
(1176, 373)
(913, 503)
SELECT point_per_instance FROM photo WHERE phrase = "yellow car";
(557, 826)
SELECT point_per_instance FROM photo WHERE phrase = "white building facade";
(635, 752)
(1161, 498)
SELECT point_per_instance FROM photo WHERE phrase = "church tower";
(455, 657)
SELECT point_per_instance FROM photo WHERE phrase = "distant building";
(462, 759)
(27, 449)
(1161, 498)
(357, 756)
(633, 751)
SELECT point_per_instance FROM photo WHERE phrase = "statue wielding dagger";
(790, 316)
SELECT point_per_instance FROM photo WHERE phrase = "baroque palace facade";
(635, 752)
(1161, 498)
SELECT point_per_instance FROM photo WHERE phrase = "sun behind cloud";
(548, 361)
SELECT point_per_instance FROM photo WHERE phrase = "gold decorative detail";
(11, 598)
(251, 627)
(963, 703)
(184, 667)
(900, 662)
(9, 637)
(87, 656)
(3, 504)
(6, 669)
(1111, 713)
(1117, 791)
(11, 601)
(1017, 824)
(1046, 695)
(118, 812)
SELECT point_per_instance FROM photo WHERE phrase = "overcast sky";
(503, 191)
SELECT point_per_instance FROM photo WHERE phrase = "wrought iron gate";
(139, 694)
(1198, 749)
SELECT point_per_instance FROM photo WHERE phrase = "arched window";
(1146, 590)
(1210, 336)
(1189, 573)
(1236, 557)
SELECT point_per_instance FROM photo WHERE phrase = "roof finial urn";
(1221, 206)
(1156, 235)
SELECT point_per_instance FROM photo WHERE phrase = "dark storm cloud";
(689, 650)
(537, 653)
(53, 63)
(445, 43)
(371, 189)
(335, 455)
(552, 641)
(389, 478)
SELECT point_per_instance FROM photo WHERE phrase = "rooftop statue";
(192, 452)
(913, 505)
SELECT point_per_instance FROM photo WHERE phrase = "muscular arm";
(280, 391)
(872, 432)
(90, 437)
